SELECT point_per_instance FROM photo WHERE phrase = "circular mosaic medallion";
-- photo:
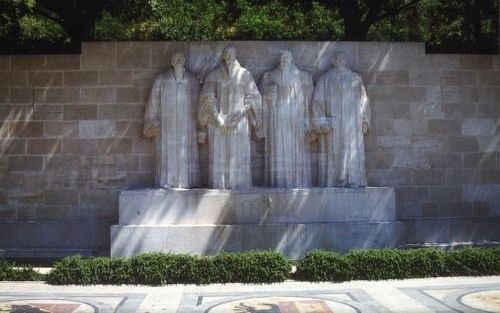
(45, 306)
(282, 305)
(483, 300)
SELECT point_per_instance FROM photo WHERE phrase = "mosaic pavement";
(473, 298)
(479, 294)
(68, 303)
(281, 302)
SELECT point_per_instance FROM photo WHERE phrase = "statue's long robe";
(340, 96)
(173, 105)
(286, 121)
(229, 154)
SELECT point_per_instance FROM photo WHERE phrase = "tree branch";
(43, 11)
(395, 10)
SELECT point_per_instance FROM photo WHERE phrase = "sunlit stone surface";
(292, 221)
(170, 118)
(287, 95)
(342, 114)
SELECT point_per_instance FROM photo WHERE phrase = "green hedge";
(9, 271)
(161, 268)
(397, 264)
(265, 267)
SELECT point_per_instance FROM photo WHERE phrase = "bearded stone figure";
(171, 118)
(230, 105)
(341, 115)
(287, 99)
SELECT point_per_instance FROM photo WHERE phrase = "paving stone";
(25, 163)
(458, 78)
(480, 160)
(133, 55)
(62, 95)
(128, 95)
(63, 62)
(463, 143)
(393, 78)
(462, 176)
(116, 78)
(62, 129)
(428, 177)
(44, 146)
(476, 62)
(98, 55)
(26, 130)
(97, 95)
(445, 127)
(13, 79)
(80, 112)
(79, 146)
(28, 62)
(46, 79)
(80, 78)
(5, 63)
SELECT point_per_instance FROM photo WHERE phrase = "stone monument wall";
(71, 125)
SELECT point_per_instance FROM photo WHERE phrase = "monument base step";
(449, 230)
(30, 255)
(53, 239)
(256, 206)
(294, 240)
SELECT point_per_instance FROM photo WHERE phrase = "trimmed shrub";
(251, 267)
(376, 264)
(161, 268)
(321, 265)
(268, 267)
(398, 264)
(166, 268)
(429, 262)
(473, 262)
(8, 271)
(101, 270)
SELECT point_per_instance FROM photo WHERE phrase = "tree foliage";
(446, 26)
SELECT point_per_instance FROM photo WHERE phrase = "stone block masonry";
(70, 136)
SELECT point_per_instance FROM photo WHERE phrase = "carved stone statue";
(287, 95)
(171, 118)
(230, 104)
(341, 113)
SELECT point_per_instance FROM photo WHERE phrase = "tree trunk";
(355, 30)
(476, 26)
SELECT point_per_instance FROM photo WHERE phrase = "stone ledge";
(255, 206)
(39, 254)
(447, 230)
(294, 240)
(77, 235)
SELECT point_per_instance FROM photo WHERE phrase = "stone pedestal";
(292, 221)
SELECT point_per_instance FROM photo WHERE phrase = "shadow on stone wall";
(70, 134)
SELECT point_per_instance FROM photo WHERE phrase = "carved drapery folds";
(230, 107)
(287, 96)
(229, 111)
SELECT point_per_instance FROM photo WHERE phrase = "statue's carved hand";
(202, 137)
(221, 122)
(365, 128)
(322, 125)
(247, 103)
(151, 129)
(324, 129)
